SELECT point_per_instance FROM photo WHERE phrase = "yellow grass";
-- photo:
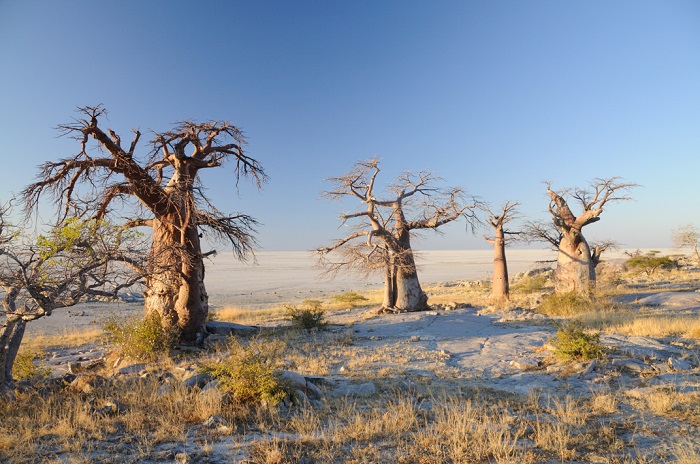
(68, 338)
(658, 326)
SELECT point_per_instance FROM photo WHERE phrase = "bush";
(24, 367)
(140, 339)
(565, 304)
(248, 373)
(650, 262)
(312, 316)
(572, 342)
(531, 284)
(351, 298)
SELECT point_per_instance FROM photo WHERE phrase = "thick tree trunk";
(10, 341)
(575, 269)
(175, 290)
(500, 291)
(409, 295)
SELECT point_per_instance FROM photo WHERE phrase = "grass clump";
(248, 373)
(308, 317)
(531, 284)
(565, 304)
(25, 368)
(140, 339)
(573, 343)
(351, 298)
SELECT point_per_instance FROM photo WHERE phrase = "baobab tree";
(500, 291)
(385, 221)
(82, 258)
(161, 190)
(687, 236)
(575, 260)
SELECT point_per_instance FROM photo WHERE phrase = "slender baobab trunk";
(408, 293)
(500, 291)
(389, 285)
(575, 269)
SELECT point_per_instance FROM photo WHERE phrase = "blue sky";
(495, 96)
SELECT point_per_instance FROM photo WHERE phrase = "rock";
(197, 380)
(110, 408)
(230, 328)
(679, 364)
(363, 389)
(525, 363)
(86, 383)
(299, 382)
(590, 368)
(414, 338)
(165, 389)
(630, 364)
(218, 423)
(131, 369)
(641, 392)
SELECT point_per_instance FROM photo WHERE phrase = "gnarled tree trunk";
(409, 296)
(175, 288)
(11, 335)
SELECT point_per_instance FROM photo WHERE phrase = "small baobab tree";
(160, 189)
(79, 259)
(500, 291)
(687, 236)
(575, 261)
(380, 237)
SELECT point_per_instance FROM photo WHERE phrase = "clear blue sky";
(496, 96)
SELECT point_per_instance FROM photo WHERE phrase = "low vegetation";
(248, 372)
(310, 316)
(141, 339)
(573, 342)
(649, 262)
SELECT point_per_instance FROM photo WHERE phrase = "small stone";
(197, 380)
(131, 369)
(525, 363)
(679, 364)
(414, 338)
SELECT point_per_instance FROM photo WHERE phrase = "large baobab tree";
(575, 260)
(500, 291)
(161, 190)
(381, 235)
(82, 258)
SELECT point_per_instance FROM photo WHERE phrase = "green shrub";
(312, 316)
(24, 367)
(140, 339)
(248, 373)
(650, 262)
(351, 298)
(565, 304)
(531, 284)
(572, 342)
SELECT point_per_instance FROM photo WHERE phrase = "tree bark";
(500, 291)
(11, 339)
(175, 287)
(575, 269)
(409, 296)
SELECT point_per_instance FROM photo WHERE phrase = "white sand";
(293, 276)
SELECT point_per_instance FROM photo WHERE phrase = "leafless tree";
(83, 258)
(161, 190)
(575, 260)
(687, 236)
(380, 234)
(500, 291)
